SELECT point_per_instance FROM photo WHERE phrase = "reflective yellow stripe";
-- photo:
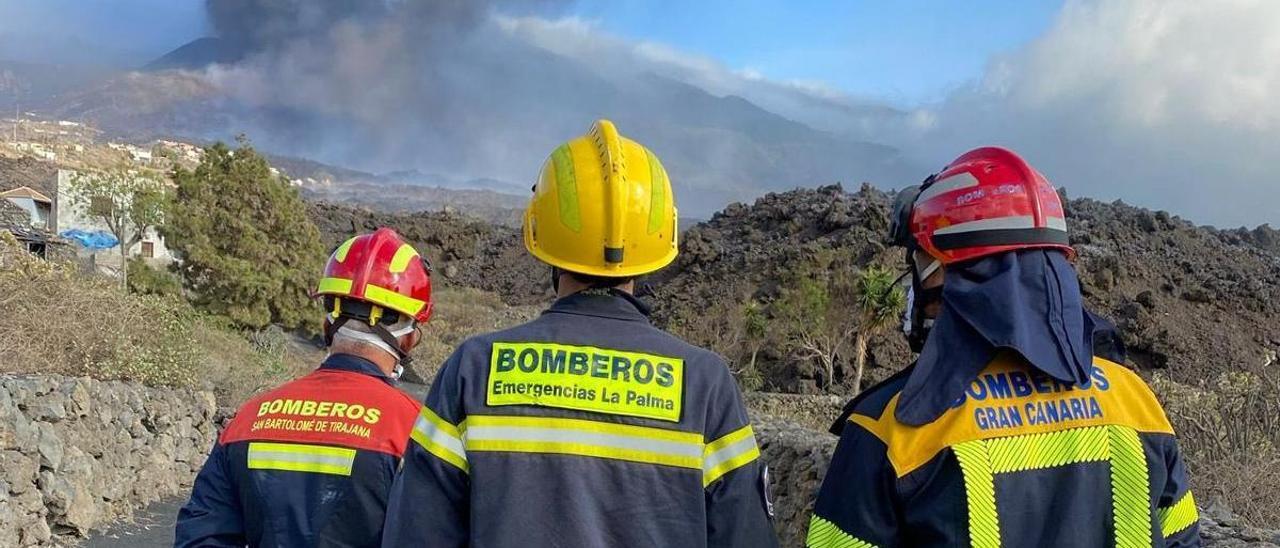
(295, 457)
(980, 491)
(824, 534)
(400, 261)
(393, 300)
(341, 253)
(567, 188)
(981, 460)
(1179, 517)
(730, 452)
(440, 438)
(1130, 492)
(657, 192)
(1049, 449)
(341, 286)
(583, 438)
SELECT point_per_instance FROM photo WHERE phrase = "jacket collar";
(602, 303)
(355, 364)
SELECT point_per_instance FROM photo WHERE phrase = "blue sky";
(905, 52)
(111, 32)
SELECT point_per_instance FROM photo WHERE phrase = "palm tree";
(879, 300)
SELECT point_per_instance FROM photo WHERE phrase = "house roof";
(26, 192)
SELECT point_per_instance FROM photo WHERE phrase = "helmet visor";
(900, 223)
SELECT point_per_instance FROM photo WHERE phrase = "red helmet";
(987, 201)
(381, 270)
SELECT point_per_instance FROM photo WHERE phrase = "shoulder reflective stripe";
(980, 493)
(824, 534)
(1049, 449)
(730, 452)
(1179, 517)
(340, 286)
(439, 438)
(1130, 492)
(981, 460)
(584, 438)
(1006, 401)
(400, 262)
(296, 457)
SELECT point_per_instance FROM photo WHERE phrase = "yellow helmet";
(603, 206)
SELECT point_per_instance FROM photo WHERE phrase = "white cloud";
(1166, 104)
(1170, 104)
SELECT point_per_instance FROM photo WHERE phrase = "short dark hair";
(599, 281)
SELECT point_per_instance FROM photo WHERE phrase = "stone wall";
(798, 459)
(76, 453)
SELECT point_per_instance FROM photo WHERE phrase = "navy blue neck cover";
(1026, 301)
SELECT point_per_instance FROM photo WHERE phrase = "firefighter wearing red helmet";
(1009, 429)
(311, 462)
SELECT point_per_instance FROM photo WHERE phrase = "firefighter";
(1007, 431)
(586, 426)
(311, 463)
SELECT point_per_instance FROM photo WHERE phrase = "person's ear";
(412, 339)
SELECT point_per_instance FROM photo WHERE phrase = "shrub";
(147, 280)
(236, 365)
(56, 321)
(1229, 432)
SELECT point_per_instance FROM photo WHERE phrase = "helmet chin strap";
(915, 325)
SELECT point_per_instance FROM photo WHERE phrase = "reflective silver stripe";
(740, 447)
(587, 438)
(305, 458)
(1000, 223)
(508, 433)
(954, 182)
(298, 457)
(446, 440)
(1056, 223)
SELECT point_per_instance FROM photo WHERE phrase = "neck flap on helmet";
(377, 318)
(1026, 301)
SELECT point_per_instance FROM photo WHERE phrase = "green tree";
(127, 202)
(247, 249)
(811, 323)
(879, 301)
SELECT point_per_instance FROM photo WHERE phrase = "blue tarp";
(96, 239)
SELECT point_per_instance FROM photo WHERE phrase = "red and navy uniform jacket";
(308, 464)
(1019, 460)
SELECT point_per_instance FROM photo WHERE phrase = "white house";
(72, 217)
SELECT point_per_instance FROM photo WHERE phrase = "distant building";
(137, 153)
(38, 206)
(28, 214)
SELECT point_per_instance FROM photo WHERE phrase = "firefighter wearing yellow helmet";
(603, 207)
(587, 426)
